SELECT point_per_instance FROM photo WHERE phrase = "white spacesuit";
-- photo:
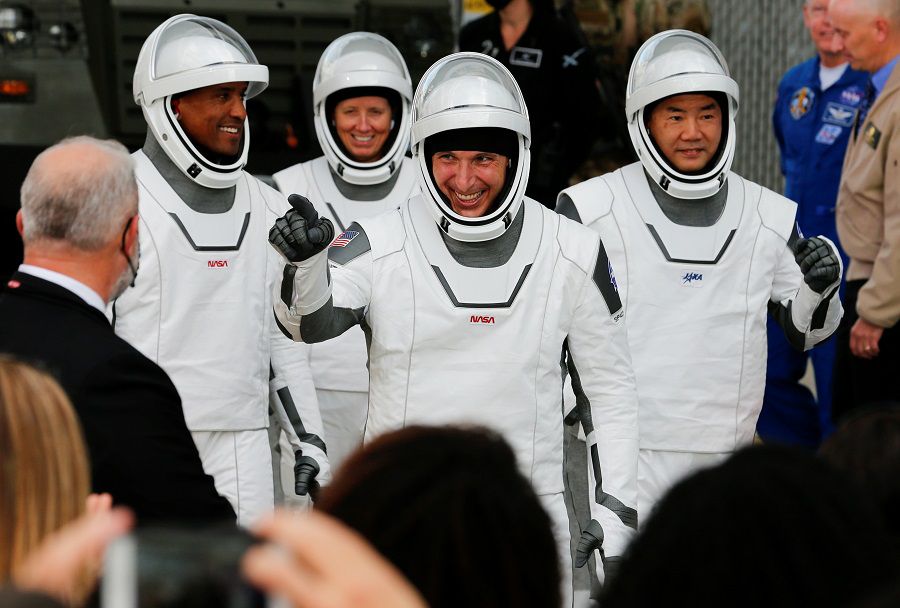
(467, 316)
(344, 190)
(697, 291)
(201, 307)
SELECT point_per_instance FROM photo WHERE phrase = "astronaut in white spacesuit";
(201, 307)
(362, 95)
(468, 293)
(701, 254)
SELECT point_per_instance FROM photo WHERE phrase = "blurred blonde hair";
(44, 474)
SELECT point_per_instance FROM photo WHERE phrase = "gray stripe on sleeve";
(287, 401)
(329, 322)
(583, 405)
(821, 312)
(628, 515)
(782, 314)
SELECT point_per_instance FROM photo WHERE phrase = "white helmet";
(466, 91)
(670, 63)
(189, 52)
(362, 60)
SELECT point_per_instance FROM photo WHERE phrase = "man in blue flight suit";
(817, 102)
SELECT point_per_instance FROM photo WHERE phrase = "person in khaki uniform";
(868, 210)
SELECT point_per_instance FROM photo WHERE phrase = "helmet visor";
(467, 82)
(676, 62)
(361, 59)
(199, 42)
(675, 55)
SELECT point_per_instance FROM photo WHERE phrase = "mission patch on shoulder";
(349, 245)
(605, 279)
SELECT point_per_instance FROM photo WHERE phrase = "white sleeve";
(806, 317)
(292, 397)
(292, 394)
(321, 298)
(604, 385)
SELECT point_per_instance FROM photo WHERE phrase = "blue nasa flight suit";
(812, 128)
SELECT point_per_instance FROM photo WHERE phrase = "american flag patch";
(344, 238)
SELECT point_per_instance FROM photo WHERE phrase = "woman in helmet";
(702, 254)
(362, 94)
(468, 293)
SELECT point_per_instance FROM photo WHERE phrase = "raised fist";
(818, 262)
(301, 233)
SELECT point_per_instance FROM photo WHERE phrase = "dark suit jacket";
(140, 449)
(13, 598)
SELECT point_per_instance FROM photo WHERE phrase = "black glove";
(301, 233)
(305, 471)
(611, 569)
(818, 262)
(591, 538)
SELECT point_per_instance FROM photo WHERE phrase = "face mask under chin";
(129, 275)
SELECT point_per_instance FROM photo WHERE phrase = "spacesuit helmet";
(678, 62)
(470, 97)
(189, 52)
(362, 64)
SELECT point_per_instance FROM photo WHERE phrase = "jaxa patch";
(872, 135)
(801, 102)
(838, 114)
(692, 279)
(828, 134)
(344, 238)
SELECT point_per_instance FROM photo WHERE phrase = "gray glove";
(818, 262)
(591, 538)
(305, 471)
(301, 233)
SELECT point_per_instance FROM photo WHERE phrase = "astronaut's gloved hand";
(818, 262)
(305, 471)
(591, 538)
(611, 568)
(301, 233)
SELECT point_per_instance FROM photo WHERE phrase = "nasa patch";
(839, 114)
(801, 102)
(828, 134)
(852, 96)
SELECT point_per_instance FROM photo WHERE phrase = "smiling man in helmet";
(701, 254)
(201, 307)
(468, 294)
(362, 95)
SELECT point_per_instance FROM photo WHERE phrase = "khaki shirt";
(868, 208)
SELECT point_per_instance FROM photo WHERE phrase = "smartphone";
(176, 567)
